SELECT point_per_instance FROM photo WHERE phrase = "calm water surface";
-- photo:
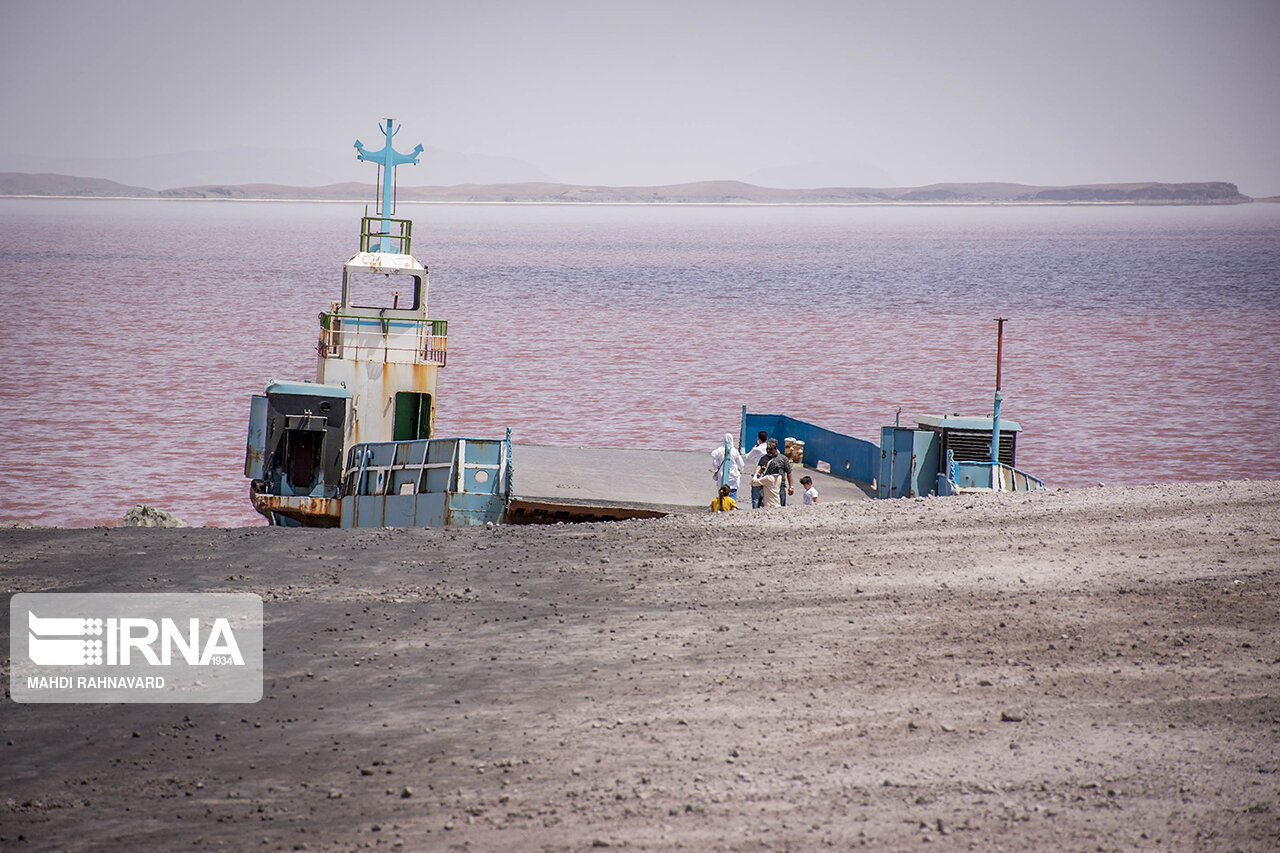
(1143, 343)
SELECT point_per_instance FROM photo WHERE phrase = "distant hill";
(702, 192)
(21, 183)
(297, 165)
(332, 192)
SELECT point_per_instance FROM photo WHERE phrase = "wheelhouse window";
(383, 290)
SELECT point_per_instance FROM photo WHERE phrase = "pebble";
(1012, 716)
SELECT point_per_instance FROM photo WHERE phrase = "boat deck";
(588, 483)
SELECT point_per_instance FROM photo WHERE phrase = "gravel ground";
(1084, 669)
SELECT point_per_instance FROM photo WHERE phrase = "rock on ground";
(143, 515)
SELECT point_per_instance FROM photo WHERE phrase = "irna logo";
(135, 647)
(91, 641)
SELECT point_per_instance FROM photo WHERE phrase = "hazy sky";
(873, 93)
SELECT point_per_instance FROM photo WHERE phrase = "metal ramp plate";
(577, 483)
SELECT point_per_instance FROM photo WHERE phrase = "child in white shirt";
(810, 493)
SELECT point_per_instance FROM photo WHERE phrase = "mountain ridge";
(697, 192)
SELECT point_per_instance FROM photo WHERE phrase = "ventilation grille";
(975, 446)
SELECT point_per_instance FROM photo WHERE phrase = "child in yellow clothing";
(723, 502)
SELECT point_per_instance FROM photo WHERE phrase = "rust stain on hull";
(309, 512)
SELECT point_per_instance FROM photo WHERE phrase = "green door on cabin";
(413, 416)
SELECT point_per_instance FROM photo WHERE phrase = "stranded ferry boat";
(329, 453)
(356, 447)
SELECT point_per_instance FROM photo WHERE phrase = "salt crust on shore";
(1075, 669)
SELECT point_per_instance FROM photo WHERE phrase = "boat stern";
(294, 452)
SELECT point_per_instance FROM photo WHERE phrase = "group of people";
(769, 470)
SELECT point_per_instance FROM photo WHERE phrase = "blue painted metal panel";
(904, 463)
(350, 515)
(973, 475)
(398, 511)
(427, 482)
(908, 462)
(485, 480)
(356, 509)
(422, 510)
(924, 473)
(896, 444)
(468, 510)
(431, 510)
(754, 423)
(849, 457)
(887, 454)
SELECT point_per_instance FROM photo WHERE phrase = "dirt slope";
(1090, 669)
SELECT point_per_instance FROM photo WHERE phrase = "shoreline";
(7, 524)
(548, 203)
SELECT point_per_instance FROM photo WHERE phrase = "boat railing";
(399, 232)
(479, 466)
(986, 475)
(397, 340)
(1021, 481)
(427, 482)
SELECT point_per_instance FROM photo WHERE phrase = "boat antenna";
(387, 159)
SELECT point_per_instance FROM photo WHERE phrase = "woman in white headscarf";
(727, 475)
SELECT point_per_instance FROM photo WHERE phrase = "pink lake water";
(1143, 344)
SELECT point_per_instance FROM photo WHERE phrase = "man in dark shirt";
(774, 468)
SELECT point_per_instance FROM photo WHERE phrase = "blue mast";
(995, 413)
(387, 159)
